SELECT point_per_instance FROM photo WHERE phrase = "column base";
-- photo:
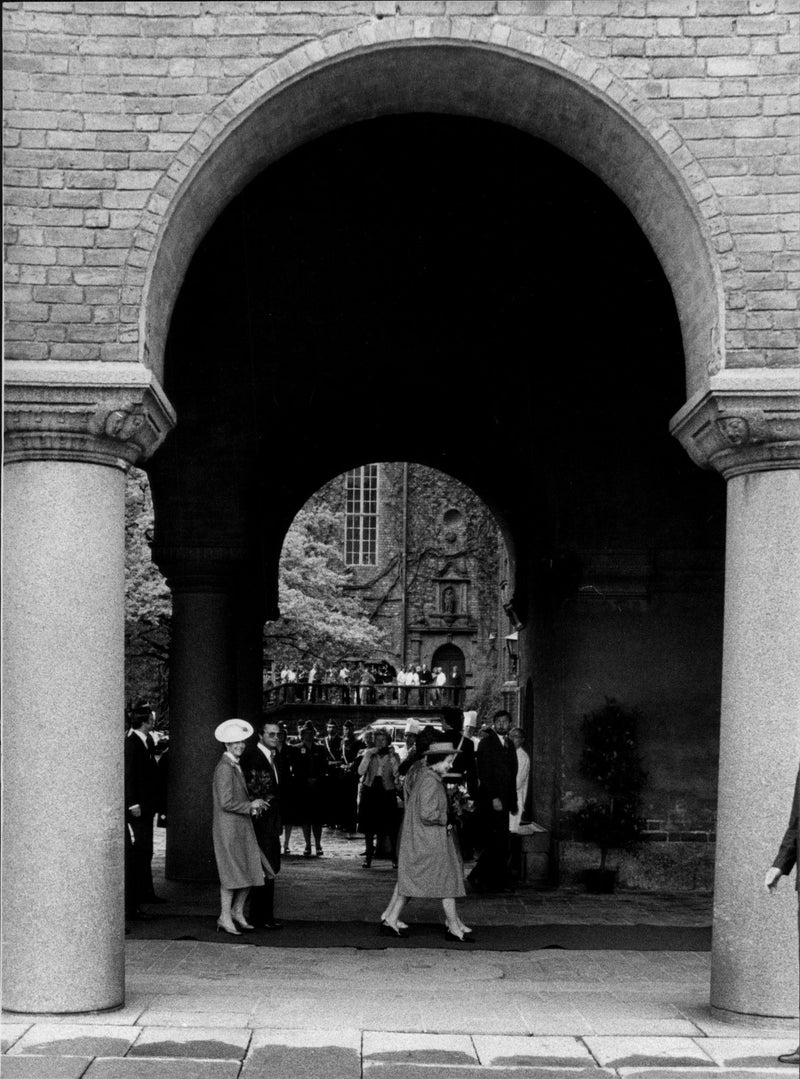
(763, 1022)
(83, 1011)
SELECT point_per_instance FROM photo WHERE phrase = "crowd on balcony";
(363, 683)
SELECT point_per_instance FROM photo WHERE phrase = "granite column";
(747, 425)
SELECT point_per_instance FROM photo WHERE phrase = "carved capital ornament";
(99, 413)
(746, 421)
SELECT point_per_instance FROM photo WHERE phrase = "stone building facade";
(432, 581)
(136, 135)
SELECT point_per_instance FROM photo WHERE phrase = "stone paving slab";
(41, 1067)
(746, 1052)
(715, 1028)
(499, 1017)
(422, 1071)
(530, 1051)
(637, 1053)
(10, 1033)
(306, 1054)
(201, 1043)
(779, 1072)
(394, 1048)
(165, 1017)
(75, 1040)
(162, 1069)
(635, 1026)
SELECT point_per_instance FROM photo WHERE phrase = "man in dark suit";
(497, 798)
(787, 858)
(141, 803)
(265, 774)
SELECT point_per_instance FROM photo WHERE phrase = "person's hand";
(497, 805)
(772, 878)
(136, 811)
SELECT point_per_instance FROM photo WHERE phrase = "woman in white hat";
(429, 863)
(240, 862)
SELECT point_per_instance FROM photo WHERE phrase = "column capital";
(113, 414)
(199, 569)
(745, 421)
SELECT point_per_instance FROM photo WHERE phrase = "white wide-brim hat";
(233, 730)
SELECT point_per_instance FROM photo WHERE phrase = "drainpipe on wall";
(404, 569)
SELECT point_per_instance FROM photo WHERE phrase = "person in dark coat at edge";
(787, 859)
(464, 765)
(497, 798)
(141, 803)
(265, 774)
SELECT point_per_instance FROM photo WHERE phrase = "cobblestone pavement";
(199, 1010)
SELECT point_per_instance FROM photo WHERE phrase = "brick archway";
(456, 66)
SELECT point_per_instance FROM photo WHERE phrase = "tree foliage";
(148, 605)
(321, 617)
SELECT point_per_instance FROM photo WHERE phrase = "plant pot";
(601, 881)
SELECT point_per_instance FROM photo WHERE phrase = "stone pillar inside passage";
(748, 427)
(202, 693)
(68, 442)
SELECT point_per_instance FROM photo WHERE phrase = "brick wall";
(101, 99)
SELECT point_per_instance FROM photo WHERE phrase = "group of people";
(440, 780)
(367, 683)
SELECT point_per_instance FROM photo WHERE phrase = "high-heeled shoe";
(459, 938)
(387, 930)
(307, 852)
(221, 925)
(285, 850)
(241, 922)
(400, 925)
(320, 852)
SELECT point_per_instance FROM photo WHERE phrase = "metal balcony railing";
(387, 694)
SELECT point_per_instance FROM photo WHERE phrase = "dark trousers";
(262, 899)
(491, 869)
(142, 855)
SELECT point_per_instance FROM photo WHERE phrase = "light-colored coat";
(236, 849)
(523, 776)
(429, 864)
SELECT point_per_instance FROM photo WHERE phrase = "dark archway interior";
(440, 289)
(453, 292)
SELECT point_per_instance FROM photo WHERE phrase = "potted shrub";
(610, 760)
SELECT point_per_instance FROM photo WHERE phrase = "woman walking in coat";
(430, 865)
(240, 862)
